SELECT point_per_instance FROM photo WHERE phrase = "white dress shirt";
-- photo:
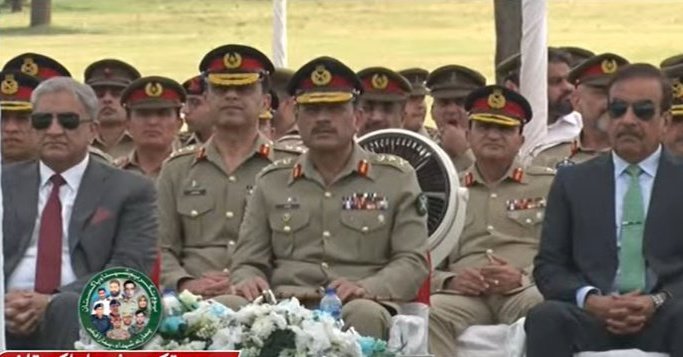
(565, 129)
(24, 275)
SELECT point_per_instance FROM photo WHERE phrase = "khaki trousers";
(451, 314)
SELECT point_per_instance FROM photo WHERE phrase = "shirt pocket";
(367, 231)
(527, 218)
(196, 216)
(285, 227)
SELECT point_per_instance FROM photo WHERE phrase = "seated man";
(486, 278)
(338, 216)
(609, 264)
(68, 217)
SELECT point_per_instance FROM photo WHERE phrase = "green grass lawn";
(169, 37)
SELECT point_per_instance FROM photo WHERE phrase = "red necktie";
(49, 264)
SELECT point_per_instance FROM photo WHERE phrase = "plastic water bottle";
(331, 304)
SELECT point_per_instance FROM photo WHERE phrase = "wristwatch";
(659, 299)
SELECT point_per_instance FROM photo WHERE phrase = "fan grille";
(431, 174)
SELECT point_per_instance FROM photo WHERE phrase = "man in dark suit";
(610, 262)
(67, 217)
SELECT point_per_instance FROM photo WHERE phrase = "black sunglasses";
(69, 121)
(643, 109)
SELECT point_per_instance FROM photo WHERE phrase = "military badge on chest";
(290, 203)
(525, 203)
(195, 189)
(365, 201)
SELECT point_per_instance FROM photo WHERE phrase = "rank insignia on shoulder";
(421, 204)
(564, 163)
(365, 201)
(525, 203)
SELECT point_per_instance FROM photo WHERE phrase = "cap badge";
(379, 81)
(321, 76)
(609, 66)
(677, 89)
(29, 67)
(107, 72)
(9, 85)
(496, 99)
(154, 89)
(232, 60)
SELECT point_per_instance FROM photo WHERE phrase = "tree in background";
(41, 12)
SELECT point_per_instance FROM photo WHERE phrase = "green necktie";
(631, 262)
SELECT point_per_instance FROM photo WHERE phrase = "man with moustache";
(449, 86)
(203, 189)
(590, 100)
(673, 134)
(486, 278)
(109, 77)
(416, 107)
(563, 123)
(19, 140)
(609, 262)
(153, 110)
(197, 113)
(285, 130)
(338, 216)
(383, 101)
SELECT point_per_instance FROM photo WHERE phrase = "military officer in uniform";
(196, 112)
(338, 216)
(383, 101)
(108, 78)
(416, 107)
(673, 135)
(590, 100)
(203, 189)
(487, 277)
(265, 123)
(285, 130)
(449, 85)
(19, 140)
(153, 113)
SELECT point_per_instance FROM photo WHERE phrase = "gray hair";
(82, 92)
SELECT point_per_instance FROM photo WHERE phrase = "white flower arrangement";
(285, 329)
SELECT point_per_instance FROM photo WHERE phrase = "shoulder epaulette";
(289, 148)
(540, 170)
(101, 154)
(281, 164)
(392, 161)
(184, 151)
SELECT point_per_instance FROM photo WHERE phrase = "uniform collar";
(262, 147)
(359, 164)
(125, 137)
(515, 174)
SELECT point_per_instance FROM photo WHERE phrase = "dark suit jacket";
(578, 241)
(113, 222)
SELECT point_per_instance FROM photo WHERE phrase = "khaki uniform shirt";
(122, 148)
(130, 162)
(564, 154)
(369, 226)
(201, 207)
(505, 218)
